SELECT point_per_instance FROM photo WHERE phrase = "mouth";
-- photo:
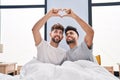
(69, 38)
(57, 37)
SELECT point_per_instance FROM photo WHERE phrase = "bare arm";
(87, 28)
(40, 23)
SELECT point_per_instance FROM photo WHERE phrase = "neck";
(72, 45)
(54, 44)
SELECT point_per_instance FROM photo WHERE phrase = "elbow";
(92, 34)
(92, 31)
(34, 29)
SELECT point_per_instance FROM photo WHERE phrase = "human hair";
(71, 28)
(57, 26)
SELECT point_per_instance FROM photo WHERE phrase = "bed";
(78, 70)
(9, 77)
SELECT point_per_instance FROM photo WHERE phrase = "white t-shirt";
(49, 54)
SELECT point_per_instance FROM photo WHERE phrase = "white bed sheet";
(78, 70)
(9, 77)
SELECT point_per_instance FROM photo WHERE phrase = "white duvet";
(78, 70)
(9, 77)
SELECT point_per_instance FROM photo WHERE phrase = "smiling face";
(71, 37)
(56, 35)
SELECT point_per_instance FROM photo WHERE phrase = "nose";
(57, 33)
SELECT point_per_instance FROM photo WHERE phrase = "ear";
(77, 37)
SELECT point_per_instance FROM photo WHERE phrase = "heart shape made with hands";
(62, 12)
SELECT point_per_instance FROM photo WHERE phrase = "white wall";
(16, 34)
(106, 24)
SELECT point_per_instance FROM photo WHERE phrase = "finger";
(59, 9)
(55, 10)
(57, 15)
(64, 9)
(65, 16)
(68, 11)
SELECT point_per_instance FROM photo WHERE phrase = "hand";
(54, 12)
(61, 12)
(69, 13)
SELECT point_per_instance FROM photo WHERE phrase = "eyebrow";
(69, 32)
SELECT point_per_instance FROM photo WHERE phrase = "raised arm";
(86, 27)
(36, 28)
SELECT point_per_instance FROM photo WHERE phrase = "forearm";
(86, 27)
(40, 23)
(37, 27)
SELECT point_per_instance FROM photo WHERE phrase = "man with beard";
(49, 52)
(84, 50)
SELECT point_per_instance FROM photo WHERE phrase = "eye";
(60, 32)
(71, 33)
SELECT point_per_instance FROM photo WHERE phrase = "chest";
(77, 54)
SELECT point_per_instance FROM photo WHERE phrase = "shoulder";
(42, 43)
(84, 45)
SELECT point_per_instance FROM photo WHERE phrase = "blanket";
(78, 70)
(9, 77)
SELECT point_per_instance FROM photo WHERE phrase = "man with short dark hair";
(84, 50)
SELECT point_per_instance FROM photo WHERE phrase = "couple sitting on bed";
(48, 54)
(51, 52)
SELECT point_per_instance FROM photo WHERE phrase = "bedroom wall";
(16, 31)
(107, 39)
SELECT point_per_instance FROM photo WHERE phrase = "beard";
(56, 40)
(70, 41)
